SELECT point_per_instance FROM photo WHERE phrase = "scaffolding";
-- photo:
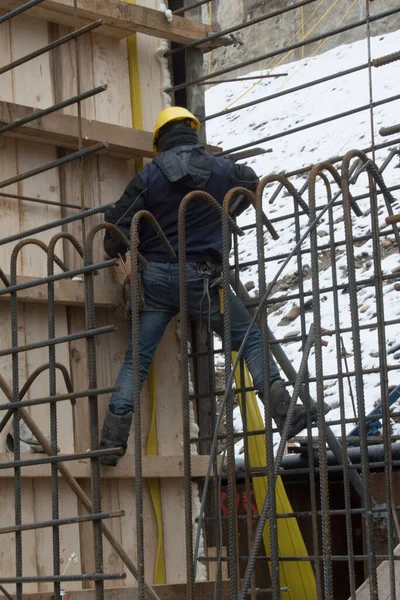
(338, 495)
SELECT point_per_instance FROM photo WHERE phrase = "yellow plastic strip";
(297, 576)
(154, 484)
(152, 444)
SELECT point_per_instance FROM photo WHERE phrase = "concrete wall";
(276, 32)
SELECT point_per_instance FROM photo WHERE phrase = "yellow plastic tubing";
(297, 576)
(152, 444)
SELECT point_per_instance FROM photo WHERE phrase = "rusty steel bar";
(19, 10)
(51, 46)
(67, 521)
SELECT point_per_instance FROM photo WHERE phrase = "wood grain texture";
(120, 18)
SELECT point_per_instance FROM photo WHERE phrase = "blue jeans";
(161, 291)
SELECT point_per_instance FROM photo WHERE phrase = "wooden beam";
(120, 19)
(62, 130)
(67, 292)
(166, 467)
(204, 591)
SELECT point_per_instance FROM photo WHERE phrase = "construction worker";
(181, 165)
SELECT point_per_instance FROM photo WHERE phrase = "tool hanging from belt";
(212, 276)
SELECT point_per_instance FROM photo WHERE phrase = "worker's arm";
(244, 177)
(132, 200)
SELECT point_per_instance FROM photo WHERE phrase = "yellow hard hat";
(173, 113)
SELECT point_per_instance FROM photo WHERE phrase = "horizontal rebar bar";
(51, 109)
(63, 40)
(66, 521)
(53, 460)
(51, 578)
(239, 27)
(307, 126)
(58, 276)
(59, 398)
(58, 340)
(273, 53)
(53, 224)
(42, 201)
(293, 90)
(233, 80)
(20, 9)
(55, 163)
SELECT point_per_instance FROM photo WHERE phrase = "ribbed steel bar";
(51, 46)
(76, 488)
(68, 521)
(324, 482)
(338, 343)
(232, 511)
(293, 90)
(59, 458)
(284, 50)
(191, 560)
(60, 397)
(19, 10)
(307, 126)
(40, 201)
(51, 578)
(266, 392)
(89, 333)
(16, 426)
(266, 509)
(366, 487)
(233, 80)
(48, 111)
(135, 329)
(239, 27)
(55, 224)
(57, 277)
(52, 165)
(53, 405)
(391, 515)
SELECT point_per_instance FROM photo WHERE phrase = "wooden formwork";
(40, 83)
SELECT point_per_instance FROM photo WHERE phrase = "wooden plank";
(204, 591)
(164, 467)
(61, 130)
(363, 592)
(120, 19)
(67, 292)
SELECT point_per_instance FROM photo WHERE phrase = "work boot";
(114, 434)
(280, 401)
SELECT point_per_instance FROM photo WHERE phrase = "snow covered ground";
(310, 147)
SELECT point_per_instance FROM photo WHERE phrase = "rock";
(396, 269)
(308, 304)
(322, 233)
(386, 244)
(364, 308)
(396, 356)
(293, 313)
(283, 322)
(249, 285)
(397, 287)
(339, 220)
(285, 287)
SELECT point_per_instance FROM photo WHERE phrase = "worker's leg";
(240, 321)
(153, 321)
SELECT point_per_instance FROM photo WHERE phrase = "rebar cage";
(332, 493)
